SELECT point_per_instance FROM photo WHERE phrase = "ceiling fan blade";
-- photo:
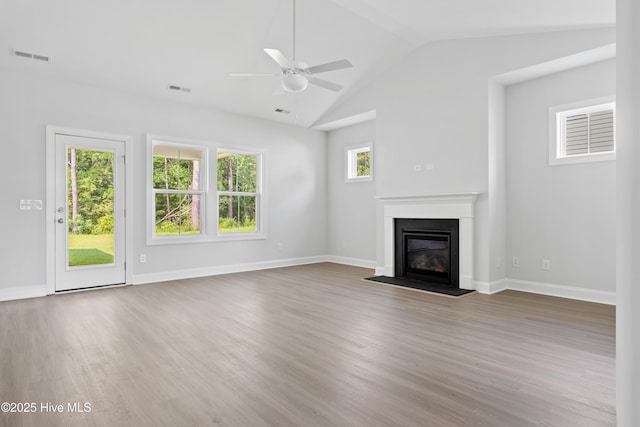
(254, 74)
(279, 57)
(330, 66)
(325, 84)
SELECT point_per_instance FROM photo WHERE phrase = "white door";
(90, 225)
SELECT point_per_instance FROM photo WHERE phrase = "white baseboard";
(22, 292)
(490, 288)
(571, 292)
(356, 262)
(583, 294)
(139, 279)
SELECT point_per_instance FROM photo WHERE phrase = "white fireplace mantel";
(444, 206)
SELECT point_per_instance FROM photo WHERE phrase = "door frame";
(50, 202)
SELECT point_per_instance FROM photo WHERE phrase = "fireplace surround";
(459, 206)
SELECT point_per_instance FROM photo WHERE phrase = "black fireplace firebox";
(428, 250)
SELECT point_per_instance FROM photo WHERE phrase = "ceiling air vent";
(179, 88)
(280, 110)
(29, 55)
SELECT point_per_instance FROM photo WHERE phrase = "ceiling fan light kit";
(295, 78)
(294, 81)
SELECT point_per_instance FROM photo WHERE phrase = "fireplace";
(459, 206)
(428, 250)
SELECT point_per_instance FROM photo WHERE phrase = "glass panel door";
(90, 210)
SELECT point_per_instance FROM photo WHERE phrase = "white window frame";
(260, 232)
(209, 209)
(557, 117)
(350, 162)
(152, 237)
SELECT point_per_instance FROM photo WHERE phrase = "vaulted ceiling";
(143, 46)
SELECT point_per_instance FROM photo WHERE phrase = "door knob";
(60, 220)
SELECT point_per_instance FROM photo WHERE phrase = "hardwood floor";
(307, 346)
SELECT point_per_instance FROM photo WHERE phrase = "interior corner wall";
(497, 183)
(628, 204)
(432, 119)
(351, 206)
(566, 214)
(295, 175)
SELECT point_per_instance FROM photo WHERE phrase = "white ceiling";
(142, 46)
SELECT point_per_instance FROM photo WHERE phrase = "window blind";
(590, 132)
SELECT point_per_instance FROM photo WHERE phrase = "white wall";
(295, 175)
(497, 164)
(567, 213)
(352, 206)
(432, 107)
(628, 231)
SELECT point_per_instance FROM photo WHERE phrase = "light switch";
(28, 205)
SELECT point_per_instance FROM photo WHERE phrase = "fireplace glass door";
(428, 256)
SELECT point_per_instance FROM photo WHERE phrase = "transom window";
(583, 132)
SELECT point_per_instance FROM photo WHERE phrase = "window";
(238, 191)
(582, 132)
(178, 187)
(186, 205)
(359, 163)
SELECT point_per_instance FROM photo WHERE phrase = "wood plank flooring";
(307, 346)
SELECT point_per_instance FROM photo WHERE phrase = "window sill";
(360, 179)
(224, 237)
(188, 240)
(583, 158)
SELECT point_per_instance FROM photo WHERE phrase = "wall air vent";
(280, 110)
(29, 55)
(179, 88)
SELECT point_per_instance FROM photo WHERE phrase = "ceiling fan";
(294, 75)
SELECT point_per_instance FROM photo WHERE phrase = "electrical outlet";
(143, 257)
(515, 262)
(546, 265)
